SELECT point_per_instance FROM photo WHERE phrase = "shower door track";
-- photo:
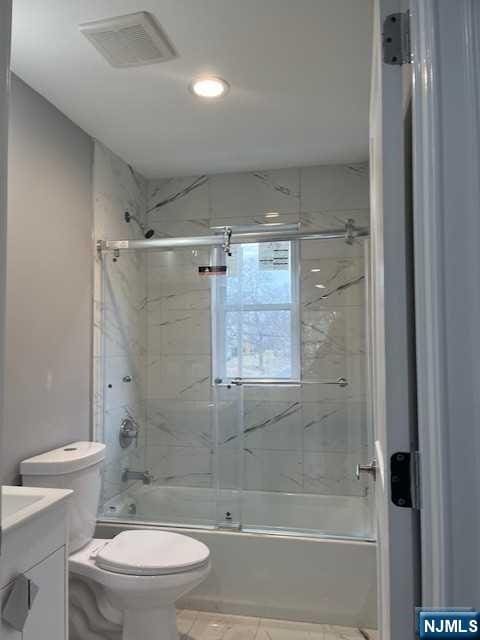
(276, 532)
(349, 233)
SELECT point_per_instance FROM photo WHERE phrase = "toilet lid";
(151, 553)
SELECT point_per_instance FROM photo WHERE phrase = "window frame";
(220, 309)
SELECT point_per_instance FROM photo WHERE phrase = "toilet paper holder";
(19, 602)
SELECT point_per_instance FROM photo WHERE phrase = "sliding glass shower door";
(229, 448)
(255, 338)
(156, 365)
(181, 403)
(246, 387)
(290, 356)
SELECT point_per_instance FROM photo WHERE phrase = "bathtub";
(267, 570)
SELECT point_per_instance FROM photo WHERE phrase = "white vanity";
(33, 563)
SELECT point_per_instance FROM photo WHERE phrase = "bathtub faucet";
(145, 476)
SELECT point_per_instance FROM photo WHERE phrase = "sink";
(12, 503)
(20, 504)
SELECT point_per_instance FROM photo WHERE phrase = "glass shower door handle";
(370, 469)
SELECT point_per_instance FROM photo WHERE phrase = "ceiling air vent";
(129, 41)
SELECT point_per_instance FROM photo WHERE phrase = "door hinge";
(396, 39)
(405, 479)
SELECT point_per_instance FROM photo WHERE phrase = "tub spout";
(145, 476)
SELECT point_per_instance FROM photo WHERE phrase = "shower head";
(147, 233)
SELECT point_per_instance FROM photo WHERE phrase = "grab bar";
(340, 382)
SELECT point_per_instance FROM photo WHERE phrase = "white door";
(5, 34)
(392, 331)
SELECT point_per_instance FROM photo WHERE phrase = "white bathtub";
(295, 577)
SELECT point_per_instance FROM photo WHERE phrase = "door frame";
(445, 42)
(392, 329)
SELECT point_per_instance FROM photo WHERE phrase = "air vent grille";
(128, 41)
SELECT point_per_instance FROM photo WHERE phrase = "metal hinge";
(405, 479)
(396, 39)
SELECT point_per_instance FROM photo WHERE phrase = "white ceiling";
(299, 73)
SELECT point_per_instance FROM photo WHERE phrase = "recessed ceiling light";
(209, 87)
(320, 286)
(272, 214)
(314, 270)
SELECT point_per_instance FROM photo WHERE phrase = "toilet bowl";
(143, 573)
(135, 577)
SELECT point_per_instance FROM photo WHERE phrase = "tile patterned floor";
(200, 625)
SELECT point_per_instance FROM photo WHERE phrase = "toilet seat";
(151, 553)
(83, 563)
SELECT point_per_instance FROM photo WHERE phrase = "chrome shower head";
(147, 233)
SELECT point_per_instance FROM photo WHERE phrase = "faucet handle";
(128, 432)
(148, 477)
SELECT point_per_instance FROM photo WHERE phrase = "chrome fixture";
(370, 469)
(128, 432)
(227, 240)
(145, 476)
(147, 233)
(340, 382)
(348, 233)
(257, 226)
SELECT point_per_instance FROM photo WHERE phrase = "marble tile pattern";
(200, 625)
(205, 625)
(303, 439)
(152, 319)
(120, 346)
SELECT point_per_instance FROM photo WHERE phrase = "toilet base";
(89, 613)
(127, 606)
(156, 624)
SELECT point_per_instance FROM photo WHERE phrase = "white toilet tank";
(75, 466)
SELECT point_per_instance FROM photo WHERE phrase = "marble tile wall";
(305, 439)
(119, 317)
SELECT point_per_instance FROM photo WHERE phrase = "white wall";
(49, 280)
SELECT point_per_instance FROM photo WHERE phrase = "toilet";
(137, 576)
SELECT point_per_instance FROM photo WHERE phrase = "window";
(255, 310)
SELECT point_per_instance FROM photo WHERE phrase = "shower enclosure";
(241, 361)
